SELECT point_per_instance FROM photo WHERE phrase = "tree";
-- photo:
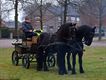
(95, 8)
(64, 4)
(38, 10)
(6, 8)
(12, 5)
(41, 20)
(16, 17)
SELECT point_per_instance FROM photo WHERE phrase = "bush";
(5, 33)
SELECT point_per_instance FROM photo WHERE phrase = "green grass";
(94, 62)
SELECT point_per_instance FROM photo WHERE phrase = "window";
(73, 19)
(78, 19)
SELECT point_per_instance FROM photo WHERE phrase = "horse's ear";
(94, 27)
(74, 24)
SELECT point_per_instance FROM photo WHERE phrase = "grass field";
(94, 62)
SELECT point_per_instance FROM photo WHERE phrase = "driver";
(28, 30)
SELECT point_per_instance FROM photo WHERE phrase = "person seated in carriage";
(29, 30)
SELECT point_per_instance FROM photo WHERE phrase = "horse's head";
(66, 32)
(88, 36)
(71, 29)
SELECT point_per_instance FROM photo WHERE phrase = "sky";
(20, 13)
(11, 15)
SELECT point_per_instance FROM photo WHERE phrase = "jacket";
(26, 26)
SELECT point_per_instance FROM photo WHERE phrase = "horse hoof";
(69, 72)
(73, 72)
(69, 69)
(46, 70)
(61, 73)
(39, 69)
(65, 73)
(82, 72)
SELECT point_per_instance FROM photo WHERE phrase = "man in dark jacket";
(27, 28)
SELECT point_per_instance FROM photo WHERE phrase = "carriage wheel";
(50, 60)
(26, 61)
(15, 59)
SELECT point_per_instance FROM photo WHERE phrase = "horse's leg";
(68, 61)
(80, 54)
(61, 63)
(44, 62)
(39, 61)
(61, 60)
(73, 63)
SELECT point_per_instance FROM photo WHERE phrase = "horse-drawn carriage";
(27, 51)
(68, 39)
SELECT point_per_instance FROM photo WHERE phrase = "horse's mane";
(46, 38)
(63, 31)
(84, 28)
(82, 31)
(65, 26)
(63, 34)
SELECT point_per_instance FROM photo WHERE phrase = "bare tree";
(64, 4)
(16, 17)
(92, 8)
(41, 20)
(6, 8)
(38, 10)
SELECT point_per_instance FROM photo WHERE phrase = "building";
(11, 26)
(53, 17)
(94, 15)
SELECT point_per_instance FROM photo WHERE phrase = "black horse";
(55, 43)
(84, 34)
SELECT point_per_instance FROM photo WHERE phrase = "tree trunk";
(65, 11)
(16, 19)
(100, 30)
(41, 17)
(100, 21)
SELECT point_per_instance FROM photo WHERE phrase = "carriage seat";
(25, 38)
(28, 41)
